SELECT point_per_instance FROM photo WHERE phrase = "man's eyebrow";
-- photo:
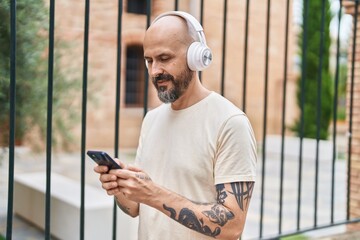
(159, 56)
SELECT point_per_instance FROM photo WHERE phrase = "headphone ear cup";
(199, 56)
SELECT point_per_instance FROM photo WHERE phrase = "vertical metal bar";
(336, 89)
(176, 7)
(265, 114)
(12, 119)
(202, 23)
(246, 37)
(351, 108)
(49, 120)
(302, 103)
(202, 12)
(223, 49)
(146, 91)
(284, 112)
(318, 112)
(117, 101)
(83, 115)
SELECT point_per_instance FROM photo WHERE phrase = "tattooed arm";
(223, 219)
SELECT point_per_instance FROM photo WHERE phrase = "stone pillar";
(355, 148)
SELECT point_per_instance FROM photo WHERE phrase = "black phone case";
(102, 158)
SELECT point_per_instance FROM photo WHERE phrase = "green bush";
(32, 76)
(312, 64)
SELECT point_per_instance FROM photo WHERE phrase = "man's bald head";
(175, 27)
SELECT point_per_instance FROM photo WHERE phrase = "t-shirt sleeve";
(236, 156)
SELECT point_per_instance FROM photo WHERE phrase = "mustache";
(161, 77)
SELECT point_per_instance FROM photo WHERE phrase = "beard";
(180, 84)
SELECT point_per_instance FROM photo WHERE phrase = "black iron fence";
(277, 227)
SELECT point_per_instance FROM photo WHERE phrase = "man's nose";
(156, 69)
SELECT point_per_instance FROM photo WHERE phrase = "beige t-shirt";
(189, 151)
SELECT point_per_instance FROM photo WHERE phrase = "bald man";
(196, 159)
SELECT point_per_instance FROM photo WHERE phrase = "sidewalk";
(344, 236)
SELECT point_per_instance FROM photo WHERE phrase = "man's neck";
(194, 94)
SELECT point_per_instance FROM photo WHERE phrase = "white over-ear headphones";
(199, 55)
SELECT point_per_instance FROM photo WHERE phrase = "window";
(136, 6)
(135, 76)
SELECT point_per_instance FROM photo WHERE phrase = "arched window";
(135, 67)
(136, 6)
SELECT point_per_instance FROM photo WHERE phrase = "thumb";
(133, 168)
(121, 164)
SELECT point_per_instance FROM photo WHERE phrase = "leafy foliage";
(32, 76)
(312, 65)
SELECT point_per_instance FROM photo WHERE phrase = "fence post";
(353, 94)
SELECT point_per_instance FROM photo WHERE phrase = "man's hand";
(134, 184)
(109, 182)
(108, 179)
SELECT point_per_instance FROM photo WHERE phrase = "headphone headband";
(194, 22)
(189, 18)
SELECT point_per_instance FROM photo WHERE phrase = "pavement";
(343, 236)
(68, 164)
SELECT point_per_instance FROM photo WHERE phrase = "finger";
(122, 165)
(123, 173)
(133, 168)
(122, 184)
(101, 169)
(114, 191)
(138, 173)
(107, 178)
(109, 185)
(142, 176)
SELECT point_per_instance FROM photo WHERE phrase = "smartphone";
(102, 158)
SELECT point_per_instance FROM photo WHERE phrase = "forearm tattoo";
(189, 219)
(217, 213)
